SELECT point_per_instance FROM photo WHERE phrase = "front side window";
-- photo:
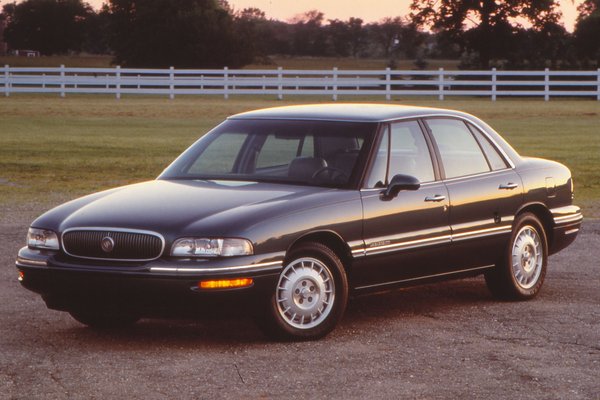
(408, 154)
(461, 154)
(321, 153)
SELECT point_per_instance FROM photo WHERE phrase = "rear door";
(484, 191)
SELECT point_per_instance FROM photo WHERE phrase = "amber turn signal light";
(226, 283)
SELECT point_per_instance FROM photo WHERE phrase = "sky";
(368, 10)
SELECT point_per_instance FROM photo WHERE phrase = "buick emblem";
(107, 244)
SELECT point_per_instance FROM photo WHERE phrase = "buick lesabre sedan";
(288, 211)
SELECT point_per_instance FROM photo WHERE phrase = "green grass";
(53, 148)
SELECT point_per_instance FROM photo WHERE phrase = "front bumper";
(151, 287)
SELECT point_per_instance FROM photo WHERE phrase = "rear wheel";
(310, 297)
(521, 273)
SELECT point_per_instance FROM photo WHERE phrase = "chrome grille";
(127, 245)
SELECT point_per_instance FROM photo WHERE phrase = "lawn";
(52, 148)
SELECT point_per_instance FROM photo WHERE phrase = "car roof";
(358, 112)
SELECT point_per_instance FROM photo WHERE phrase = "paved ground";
(449, 340)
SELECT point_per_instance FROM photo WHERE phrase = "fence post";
(225, 83)
(279, 83)
(171, 83)
(598, 91)
(388, 86)
(118, 82)
(546, 84)
(62, 80)
(43, 81)
(335, 88)
(441, 84)
(6, 80)
(493, 84)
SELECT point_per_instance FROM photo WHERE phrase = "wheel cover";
(527, 257)
(305, 293)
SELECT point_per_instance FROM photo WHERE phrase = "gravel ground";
(449, 340)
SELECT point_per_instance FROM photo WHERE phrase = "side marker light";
(226, 283)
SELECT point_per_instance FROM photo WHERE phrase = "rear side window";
(495, 159)
(460, 152)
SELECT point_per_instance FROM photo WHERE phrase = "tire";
(100, 318)
(310, 297)
(520, 275)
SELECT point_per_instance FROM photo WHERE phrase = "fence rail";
(279, 82)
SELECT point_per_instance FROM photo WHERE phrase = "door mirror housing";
(398, 183)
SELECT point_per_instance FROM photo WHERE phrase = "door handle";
(436, 198)
(508, 186)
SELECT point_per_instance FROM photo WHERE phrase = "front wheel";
(521, 274)
(310, 297)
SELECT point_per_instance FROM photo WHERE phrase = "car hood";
(175, 208)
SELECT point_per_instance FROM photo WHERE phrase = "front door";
(405, 236)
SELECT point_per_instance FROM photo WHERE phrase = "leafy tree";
(309, 37)
(587, 31)
(484, 26)
(49, 26)
(180, 33)
(356, 34)
(339, 36)
(388, 34)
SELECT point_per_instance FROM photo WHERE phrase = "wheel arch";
(544, 215)
(330, 239)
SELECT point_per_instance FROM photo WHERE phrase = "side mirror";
(398, 183)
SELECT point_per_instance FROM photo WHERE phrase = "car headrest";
(303, 168)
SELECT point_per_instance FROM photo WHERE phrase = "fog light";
(21, 276)
(226, 283)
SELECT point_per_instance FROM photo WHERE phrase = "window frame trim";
(440, 166)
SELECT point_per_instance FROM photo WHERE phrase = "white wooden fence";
(279, 82)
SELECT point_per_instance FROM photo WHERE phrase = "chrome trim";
(424, 277)
(477, 175)
(482, 233)
(381, 189)
(411, 244)
(565, 219)
(571, 231)
(266, 266)
(105, 228)
(26, 261)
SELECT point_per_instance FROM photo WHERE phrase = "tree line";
(211, 34)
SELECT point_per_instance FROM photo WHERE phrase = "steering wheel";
(330, 174)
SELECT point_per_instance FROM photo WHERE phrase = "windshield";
(321, 153)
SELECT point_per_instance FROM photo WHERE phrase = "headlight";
(42, 239)
(203, 247)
